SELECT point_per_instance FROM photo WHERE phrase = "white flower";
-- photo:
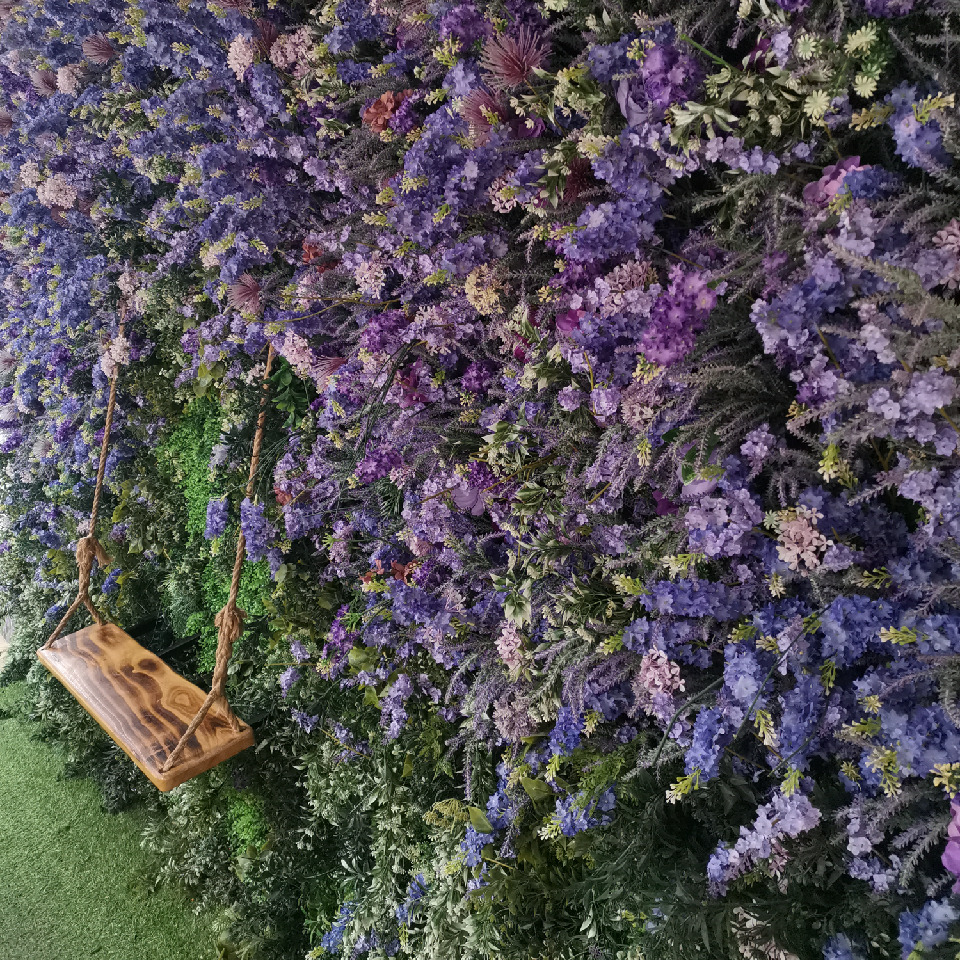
(57, 191)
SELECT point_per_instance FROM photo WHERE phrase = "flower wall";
(602, 584)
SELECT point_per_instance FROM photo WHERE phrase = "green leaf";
(479, 821)
(536, 789)
(360, 657)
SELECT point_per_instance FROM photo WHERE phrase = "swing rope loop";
(89, 546)
(230, 619)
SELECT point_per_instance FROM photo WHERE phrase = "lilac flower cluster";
(784, 816)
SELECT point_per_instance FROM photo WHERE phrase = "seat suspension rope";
(230, 619)
(89, 546)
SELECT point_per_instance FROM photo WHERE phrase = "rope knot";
(229, 623)
(89, 547)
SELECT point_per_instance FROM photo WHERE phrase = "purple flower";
(575, 813)
(257, 530)
(472, 845)
(678, 315)
(570, 399)
(416, 891)
(465, 23)
(951, 855)
(332, 939)
(287, 679)
(377, 463)
(604, 401)
(757, 446)
(216, 518)
(565, 736)
(841, 947)
(307, 722)
(782, 817)
(298, 651)
(926, 928)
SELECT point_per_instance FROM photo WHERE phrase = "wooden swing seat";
(142, 704)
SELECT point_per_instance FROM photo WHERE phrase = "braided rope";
(89, 547)
(230, 619)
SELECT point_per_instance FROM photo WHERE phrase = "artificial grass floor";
(72, 877)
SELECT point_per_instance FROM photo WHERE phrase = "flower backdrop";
(603, 581)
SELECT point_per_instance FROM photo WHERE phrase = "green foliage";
(184, 458)
(248, 826)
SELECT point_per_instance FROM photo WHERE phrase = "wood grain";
(141, 703)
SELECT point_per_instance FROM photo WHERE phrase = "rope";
(89, 547)
(230, 619)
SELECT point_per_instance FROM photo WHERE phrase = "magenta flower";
(951, 855)
(568, 321)
(507, 62)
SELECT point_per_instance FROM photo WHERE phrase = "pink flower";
(821, 192)
(948, 240)
(244, 295)
(289, 51)
(57, 191)
(98, 49)
(569, 321)
(655, 683)
(481, 110)
(378, 114)
(508, 62)
(44, 82)
(70, 78)
(241, 55)
(800, 541)
(510, 646)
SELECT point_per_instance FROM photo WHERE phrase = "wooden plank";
(142, 704)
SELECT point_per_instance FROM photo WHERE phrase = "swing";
(167, 726)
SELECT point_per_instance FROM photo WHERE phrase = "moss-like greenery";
(184, 458)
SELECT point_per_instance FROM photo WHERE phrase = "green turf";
(73, 878)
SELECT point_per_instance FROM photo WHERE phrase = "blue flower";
(216, 518)
(257, 530)
(927, 927)
(565, 736)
